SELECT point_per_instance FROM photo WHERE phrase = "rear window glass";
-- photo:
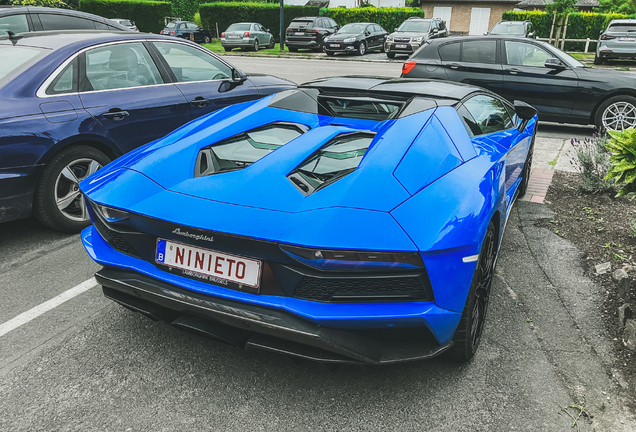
(415, 26)
(171, 25)
(450, 52)
(14, 23)
(238, 27)
(15, 58)
(622, 27)
(299, 23)
(126, 23)
(244, 149)
(332, 162)
(508, 29)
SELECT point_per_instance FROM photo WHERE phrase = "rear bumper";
(614, 51)
(238, 43)
(249, 326)
(302, 43)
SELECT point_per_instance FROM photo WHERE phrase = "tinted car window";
(489, 114)
(64, 22)
(299, 23)
(102, 26)
(471, 125)
(479, 51)
(14, 23)
(120, 66)
(450, 52)
(66, 82)
(191, 64)
(524, 54)
(622, 27)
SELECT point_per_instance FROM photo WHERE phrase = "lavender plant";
(593, 164)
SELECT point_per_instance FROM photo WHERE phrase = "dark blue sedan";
(74, 101)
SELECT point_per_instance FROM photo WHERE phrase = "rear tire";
(390, 55)
(597, 60)
(291, 49)
(255, 46)
(471, 325)
(227, 49)
(272, 44)
(58, 202)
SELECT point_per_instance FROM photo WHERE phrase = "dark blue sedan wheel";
(471, 326)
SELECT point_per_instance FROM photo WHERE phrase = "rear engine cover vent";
(246, 148)
(336, 159)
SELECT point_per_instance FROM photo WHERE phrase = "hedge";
(267, 14)
(388, 18)
(148, 15)
(581, 25)
(185, 9)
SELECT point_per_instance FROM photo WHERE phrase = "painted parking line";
(42, 308)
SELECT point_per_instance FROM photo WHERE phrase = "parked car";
(29, 19)
(247, 36)
(513, 28)
(130, 25)
(309, 32)
(412, 33)
(561, 88)
(617, 41)
(320, 222)
(356, 38)
(187, 30)
(76, 100)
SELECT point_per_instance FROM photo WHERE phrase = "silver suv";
(618, 41)
(412, 33)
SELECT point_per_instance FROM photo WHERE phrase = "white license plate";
(627, 39)
(219, 265)
(299, 34)
(334, 45)
(400, 46)
(233, 36)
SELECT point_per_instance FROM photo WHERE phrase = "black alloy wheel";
(471, 325)
(527, 168)
(58, 202)
(362, 48)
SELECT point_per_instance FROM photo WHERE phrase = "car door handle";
(199, 102)
(115, 114)
(454, 66)
(513, 71)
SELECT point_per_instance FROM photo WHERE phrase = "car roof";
(56, 11)
(623, 20)
(56, 39)
(430, 88)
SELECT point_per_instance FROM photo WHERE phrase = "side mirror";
(367, 33)
(238, 76)
(395, 29)
(554, 63)
(485, 33)
(531, 35)
(267, 30)
(525, 112)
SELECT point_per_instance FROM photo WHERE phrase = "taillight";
(246, 34)
(172, 33)
(223, 34)
(407, 66)
(607, 37)
(312, 31)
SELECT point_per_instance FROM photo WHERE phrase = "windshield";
(13, 58)
(564, 57)
(353, 28)
(415, 26)
(622, 27)
(508, 29)
(239, 27)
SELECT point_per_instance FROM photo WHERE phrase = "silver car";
(130, 25)
(618, 41)
(247, 36)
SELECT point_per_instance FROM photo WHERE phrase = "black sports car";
(560, 87)
(356, 38)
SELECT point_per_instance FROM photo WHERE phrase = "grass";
(215, 46)
(583, 56)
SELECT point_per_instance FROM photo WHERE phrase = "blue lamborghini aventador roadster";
(349, 220)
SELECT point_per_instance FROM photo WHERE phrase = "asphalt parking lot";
(88, 364)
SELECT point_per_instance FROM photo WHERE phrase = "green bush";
(197, 19)
(623, 159)
(267, 14)
(185, 9)
(388, 18)
(148, 15)
(42, 3)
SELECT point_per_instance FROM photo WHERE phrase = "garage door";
(479, 19)
(444, 13)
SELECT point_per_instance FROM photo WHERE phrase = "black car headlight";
(327, 259)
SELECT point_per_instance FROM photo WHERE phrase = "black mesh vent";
(363, 289)
(115, 239)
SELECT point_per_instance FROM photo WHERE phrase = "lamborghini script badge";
(178, 231)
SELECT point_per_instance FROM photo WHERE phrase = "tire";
(390, 55)
(255, 46)
(227, 49)
(471, 325)
(58, 202)
(362, 48)
(330, 53)
(207, 39)
(527, 168)
(616, 113)
(292, 49)
(272, 44)
(597, 60)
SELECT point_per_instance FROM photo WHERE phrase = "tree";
(561, 7)
(626, 7)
